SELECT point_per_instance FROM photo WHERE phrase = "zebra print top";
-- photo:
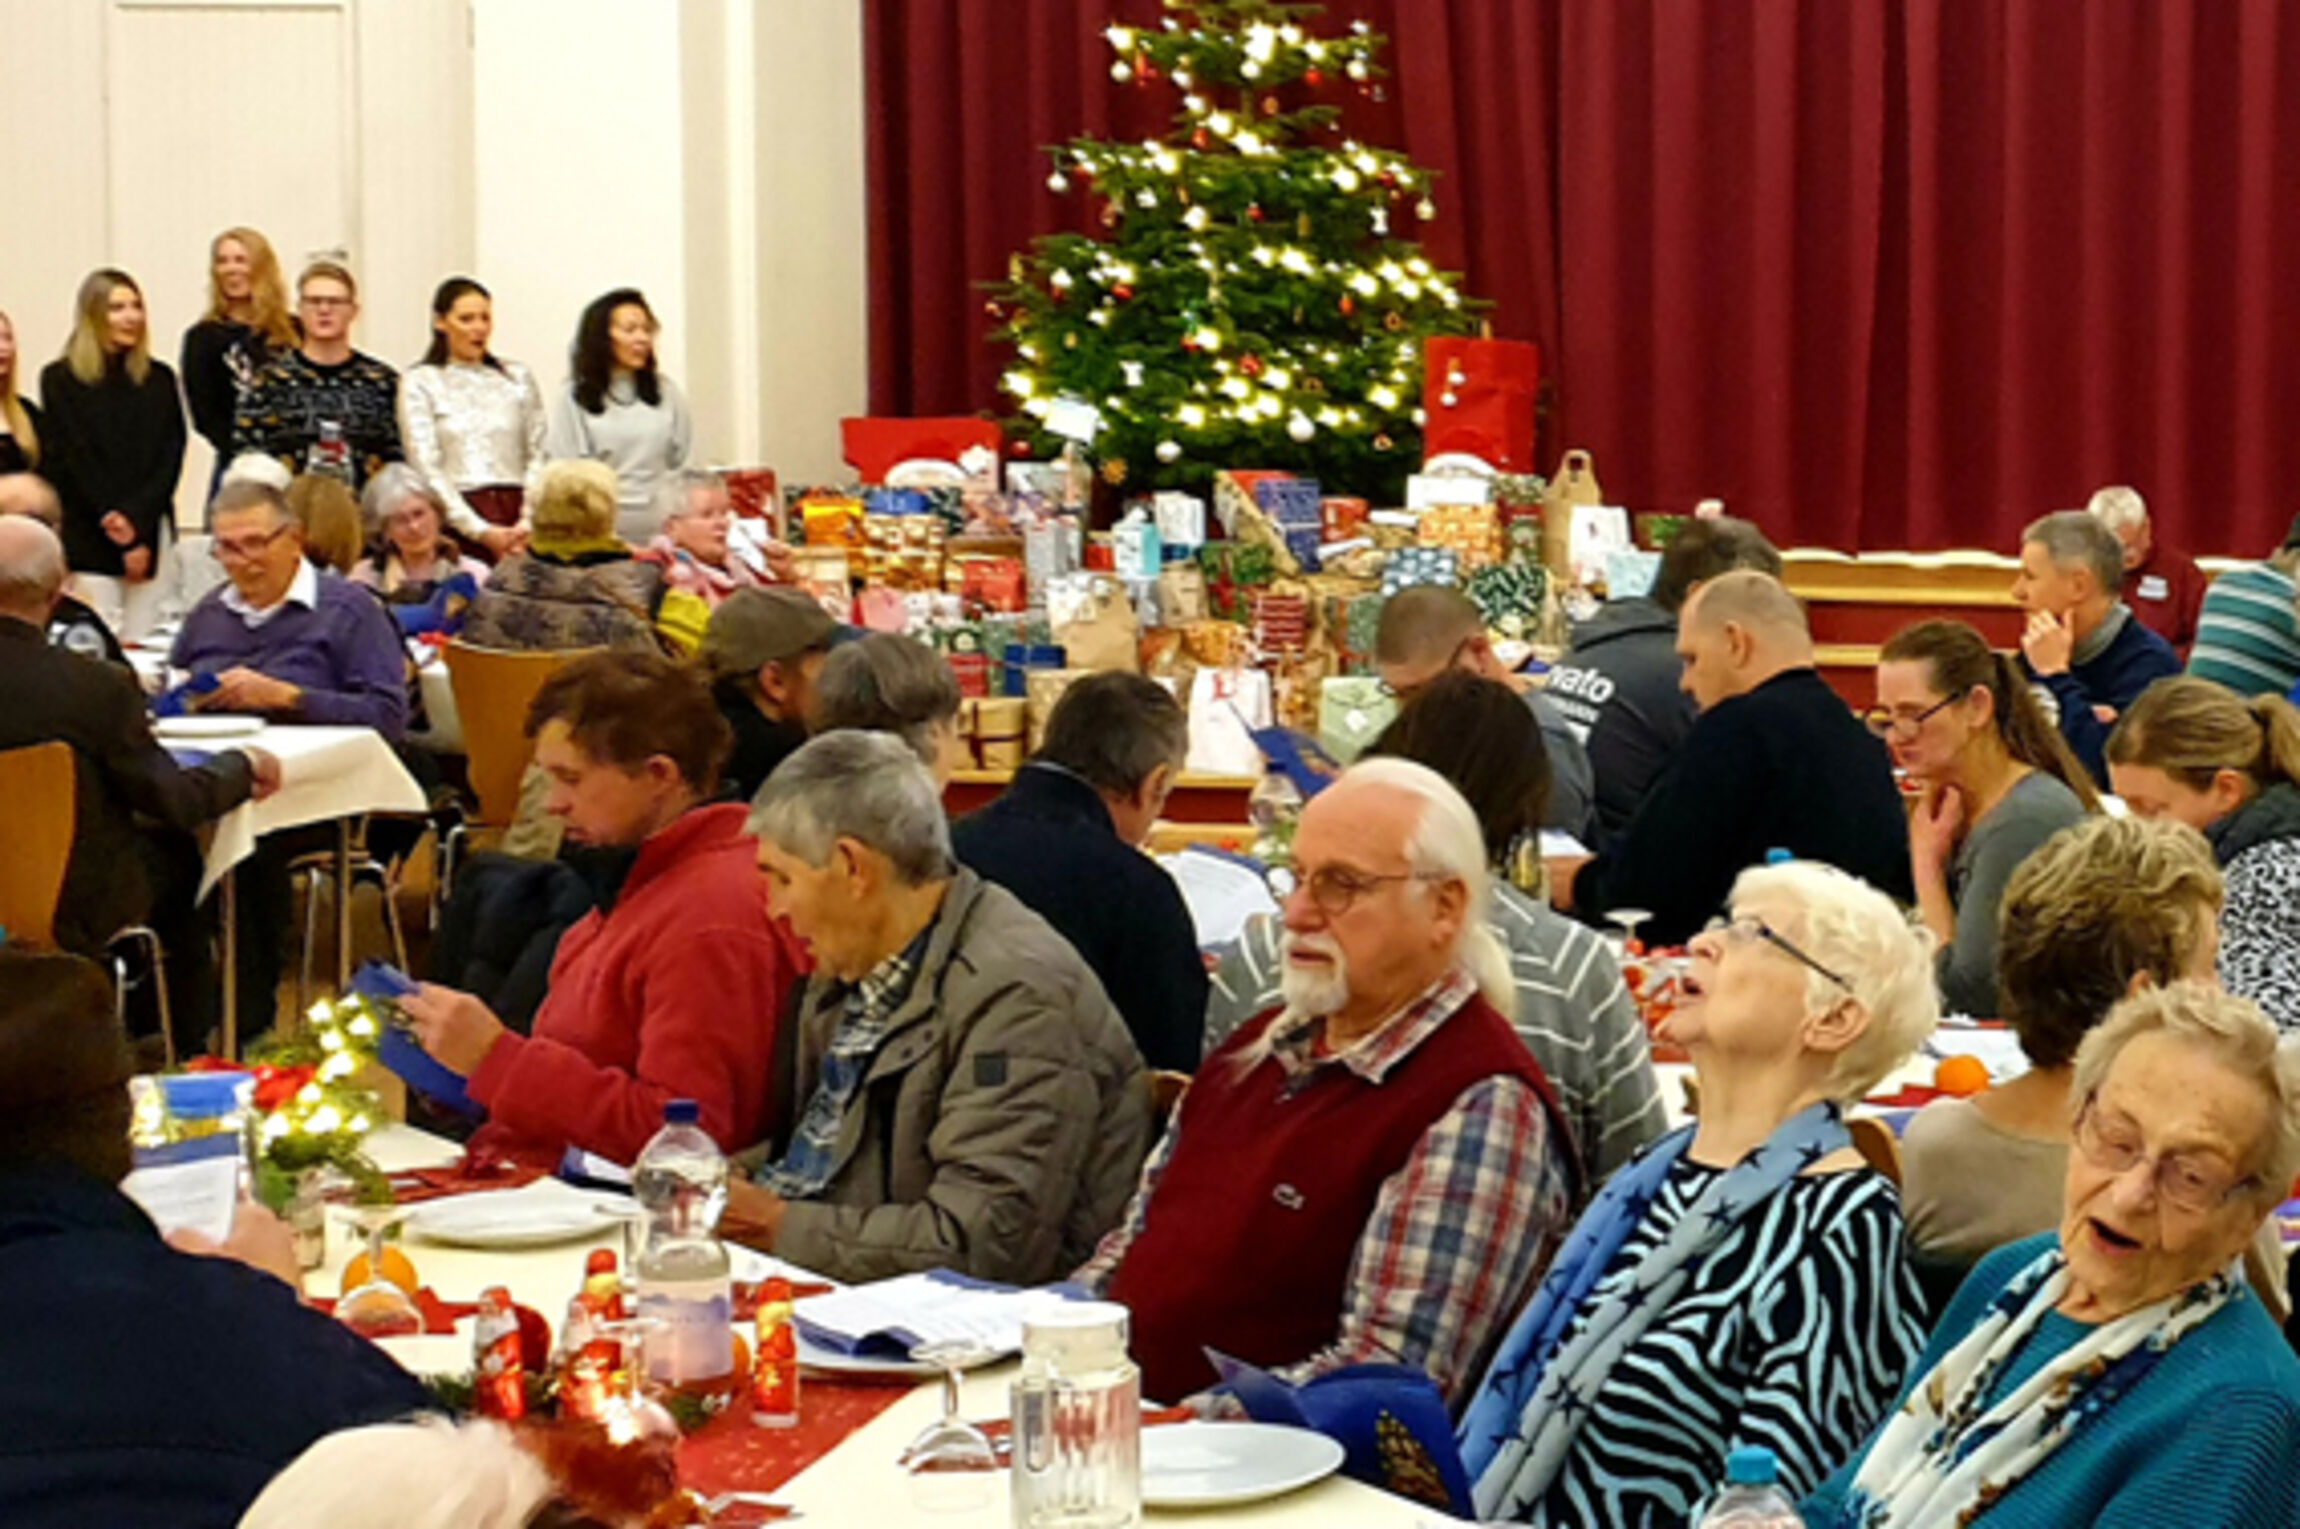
(1795, 1334)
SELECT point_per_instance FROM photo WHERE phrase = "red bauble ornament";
(1122, 291)
(1250, 364)
(1314, 78)
(1253, 212)
(1018, 447)
(1190, 343)
(1201, 140)
(993, 309)
(1084, 172)
(1269, 106)
(1349, 305)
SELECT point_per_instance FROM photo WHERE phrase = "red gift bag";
(1479, 398)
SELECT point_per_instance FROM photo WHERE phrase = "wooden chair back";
(1877, 1144)
(493, 689)
(39, 787)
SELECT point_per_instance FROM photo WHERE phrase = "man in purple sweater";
(287, 640)
(292, 643)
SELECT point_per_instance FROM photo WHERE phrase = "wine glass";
(378, 1308)
(953, 1467)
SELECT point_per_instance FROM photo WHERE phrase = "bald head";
(30, 494)
(1737, 631)
(32, 569)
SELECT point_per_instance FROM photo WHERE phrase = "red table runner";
(732, 1454)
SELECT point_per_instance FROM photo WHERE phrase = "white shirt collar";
(303, 590)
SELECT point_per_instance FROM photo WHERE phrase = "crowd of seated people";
(1419, 1122)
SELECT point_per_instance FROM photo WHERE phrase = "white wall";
(708, 151)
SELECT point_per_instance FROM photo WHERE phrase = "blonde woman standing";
(19, 421)
(247, 323)
(114, 444)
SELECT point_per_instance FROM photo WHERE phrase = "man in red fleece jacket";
(674, 987)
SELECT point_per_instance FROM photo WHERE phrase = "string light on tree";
(1222, 313)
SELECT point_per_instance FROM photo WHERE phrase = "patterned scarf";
(1516, 1432)
(1946, 1452)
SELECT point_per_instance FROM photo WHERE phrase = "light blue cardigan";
(2209, 1440)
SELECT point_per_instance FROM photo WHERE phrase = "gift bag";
(1045, 692)
(1108, 637)
(1352, 711)
(1478, 399)
(1226, 705)
(1574, 483)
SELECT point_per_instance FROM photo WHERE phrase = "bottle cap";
(1778, 856)
(682, 1112)
(1752, 1465)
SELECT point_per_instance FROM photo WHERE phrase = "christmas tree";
(1253, 303)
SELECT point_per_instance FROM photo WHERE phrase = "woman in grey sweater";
(1995, 781)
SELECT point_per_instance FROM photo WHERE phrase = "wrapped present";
(826, 574)
(1137, 547)
(1472, 531)
(1215, 644)
(947, 504)
(832, 523)
(1295, 684)
(1001, 731)
(1349, 615)
(1344, 517)
(893, 501)
(1521, 540)
(1352, 711)
(1509, 597)
(1234, 495)
(1409, 566)
(1282, 620)
(1045, 689)
(995, 584)
(879, 609)
(1226, 704)
(1182, 595)
(751, 495)
(972, 671)
(1233, 570)
(1049, 550)
(1181, 519)
(903, 551)
(1022, 660)
(1290, 502)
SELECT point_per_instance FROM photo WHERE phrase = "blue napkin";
(1390, 1419)
(384, 985)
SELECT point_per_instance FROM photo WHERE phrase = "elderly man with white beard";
(1377, 1170)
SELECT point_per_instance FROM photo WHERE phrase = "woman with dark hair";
(620, 410)
(113, 446)
(1572, 1009)
(2230, 769)
(1996, 780)
(473, 423)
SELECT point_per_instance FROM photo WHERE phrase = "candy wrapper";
(1409, 566)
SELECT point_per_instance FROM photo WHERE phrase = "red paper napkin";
(419, 1184)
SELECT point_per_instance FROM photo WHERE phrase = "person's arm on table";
(1006, 1145)
(149, 779)
(1456, 1238)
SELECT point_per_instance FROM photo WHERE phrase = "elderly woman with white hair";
(410, 553)
(695, 549)
(2117, 1371)
(1742, 1281)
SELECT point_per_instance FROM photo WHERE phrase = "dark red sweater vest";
(1251, 1229)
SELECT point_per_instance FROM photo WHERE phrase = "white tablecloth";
(326, 773)
(856, 1483)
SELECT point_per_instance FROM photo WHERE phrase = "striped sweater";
(1573, 1013)
(2248, 633)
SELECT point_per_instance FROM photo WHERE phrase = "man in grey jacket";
(964, 1095)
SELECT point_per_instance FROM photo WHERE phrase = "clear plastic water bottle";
(1274, 808)
(330, 454)
(1750, 1499)
(685, 1296)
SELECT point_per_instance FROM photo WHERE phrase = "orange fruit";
(1962, 1076)
(398, 1268)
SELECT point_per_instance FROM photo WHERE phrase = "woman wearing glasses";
(2107, 906)
(2117, 1371)
(1995, 781)
(1741, 1281)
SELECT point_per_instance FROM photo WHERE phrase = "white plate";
(207, 727)
(1216, 1465)
(504, 1221)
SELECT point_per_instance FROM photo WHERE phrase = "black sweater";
(1786, 766)
(116, 445)
(220, 357)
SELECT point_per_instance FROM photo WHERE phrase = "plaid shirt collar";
(1375, 1054)
(872, 1000)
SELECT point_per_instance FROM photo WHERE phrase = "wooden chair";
(38, 785)
(1877, 1144)
(41, 786)
(493, 689)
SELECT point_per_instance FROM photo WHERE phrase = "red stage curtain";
(1878, 272)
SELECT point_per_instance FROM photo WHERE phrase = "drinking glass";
(379, 1308)
(953, 1467)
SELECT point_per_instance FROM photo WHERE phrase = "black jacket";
(76, 628)
(1618, 686)
(115, 446)
(761, 743)
(2133, 659)
(142, 1388)
(1049, 841)
(1786, 766)
(126, 783)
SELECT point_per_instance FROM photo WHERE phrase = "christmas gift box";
(1296, 680)
(1282, 619)
(893, 501)
(995, 584)
(1001, 732)
(826, 574)
(1472, 531)
(751, 495)
(1024, 659)
(1234, 495)
(972, 671)
(1349, 615)
(1181, 519)
(1050, 549)
(1509, 597)
(833, 523)
(1477, 398)
(1409, 566)
(1233, 571)
(1215, 644)
(1352, 711)
(1138, 551)
(1290, 502)
(1045, 690)
(1181, 595)
(1344, 517)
